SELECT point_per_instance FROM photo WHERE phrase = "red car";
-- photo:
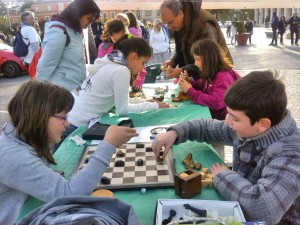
(10, 65)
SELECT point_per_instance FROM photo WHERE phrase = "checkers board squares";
(150, 175)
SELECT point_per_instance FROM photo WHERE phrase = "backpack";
(37, 55)
(20, 49)
(82, 210)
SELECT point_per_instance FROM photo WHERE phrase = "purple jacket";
(211, 93)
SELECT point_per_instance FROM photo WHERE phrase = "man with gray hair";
(189, 23)
(29, 35)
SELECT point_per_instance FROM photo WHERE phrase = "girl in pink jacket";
(216, 74)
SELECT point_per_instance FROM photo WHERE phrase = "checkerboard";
(150, 175)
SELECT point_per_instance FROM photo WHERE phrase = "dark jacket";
(281, 27)
(198, 24)
(249, 27)
(294, 22)
(274, 22)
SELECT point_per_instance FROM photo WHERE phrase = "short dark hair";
(127, 43)
(30, 109)
(25, 15)
(260, 94)
(173, 5)
(78, 8)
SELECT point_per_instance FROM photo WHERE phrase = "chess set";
(140, 168)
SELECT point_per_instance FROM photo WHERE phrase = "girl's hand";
(185, 85)
(118, 135)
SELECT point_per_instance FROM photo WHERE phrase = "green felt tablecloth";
(67, 157)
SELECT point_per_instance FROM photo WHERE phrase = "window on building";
(112, 15)
(60, 6)
(104, 15)
(15, 20)
(49, 8)
(148, 13)
(47, 18)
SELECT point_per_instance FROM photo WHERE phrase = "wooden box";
(187, 183)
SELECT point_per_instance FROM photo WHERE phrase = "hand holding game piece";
(164, 140)
(118, 135)
(167, 221)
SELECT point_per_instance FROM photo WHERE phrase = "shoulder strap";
(65, 32)
(21, 33)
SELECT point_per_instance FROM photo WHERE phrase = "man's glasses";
(64, 118)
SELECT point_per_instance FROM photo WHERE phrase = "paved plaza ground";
(257, 56)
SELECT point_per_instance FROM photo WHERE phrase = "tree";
(26, 5)
(3, 9)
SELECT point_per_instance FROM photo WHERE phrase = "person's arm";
(213, 99)
(121, 95)
(53, 47)
(33, 39)
(208, 130)
(268, 198)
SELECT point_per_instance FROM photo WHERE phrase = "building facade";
(147, 10)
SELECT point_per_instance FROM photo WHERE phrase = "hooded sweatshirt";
(105, 88)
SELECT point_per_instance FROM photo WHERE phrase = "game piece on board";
(151, 175)
(160, 158)
(149, 149)
(105, 180)
(120, 153)
(173, 95)
(143, 190)
(167, 221)
(139, 145)
(140, 162)
(119, 163)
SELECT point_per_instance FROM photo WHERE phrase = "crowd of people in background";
(249, 113)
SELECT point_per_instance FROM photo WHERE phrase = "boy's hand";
(163, 140)
(217, 168)
(118, 135)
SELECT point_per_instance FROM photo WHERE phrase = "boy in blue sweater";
(266, 149)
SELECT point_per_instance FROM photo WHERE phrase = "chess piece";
(167, 221)
(200, 212)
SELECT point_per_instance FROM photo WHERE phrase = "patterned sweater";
(266, 177)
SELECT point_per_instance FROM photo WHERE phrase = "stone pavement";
(257, 56)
